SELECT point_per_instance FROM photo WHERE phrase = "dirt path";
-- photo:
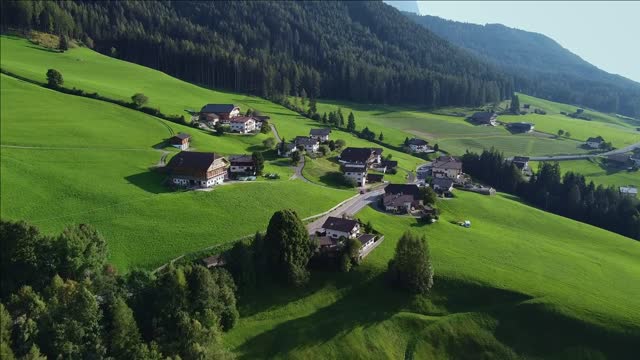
(275, 132)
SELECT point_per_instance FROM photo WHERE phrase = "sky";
(604, 33)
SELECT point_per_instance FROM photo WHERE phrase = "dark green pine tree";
(63, 45)
(351, 122)
(515, 105)
(411, 268)
(258, 161)
(381, 137)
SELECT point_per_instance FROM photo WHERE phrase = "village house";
(338, 227)
(374, 178)
(366, 241)
(224, 112)
(484, 118)
(401, 198)
(630, 191)
(619, 159)
(446, 167)
(242, 165)
(180, 141)
(322, 135)
(355, 172)
(419, 146)
(635, 158)
(311, 145)
(197, 169)
(442, 185)
(361, 156)
(521, 162)
(595, 142)
(520, 127)
(285, 149)
(243, 124)
(213, 261)
(210, 120)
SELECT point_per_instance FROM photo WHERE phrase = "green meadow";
(76, 160)
(597, 171)
(520, 283)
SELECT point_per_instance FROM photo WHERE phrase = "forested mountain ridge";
(539, 65)
(358, 51)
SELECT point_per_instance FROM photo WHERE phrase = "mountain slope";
(361, 51)
(539, 65)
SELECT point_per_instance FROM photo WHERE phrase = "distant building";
(446, 167)
(521, 127)
(595, 142)
(484, 118)
(355, 172)
(180, 141)
(442, 185)
(521, 162)
(310, 144)
(635, 158)
(242, 124)
(210, 119)
(419, 146)
(242, 165)
(285, 149)
(321, 135)
(619, 159)
(213, 261)
(338, 227)
(223, 111)
(630, 191)
(197, 169)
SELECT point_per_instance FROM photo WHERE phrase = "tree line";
(569, 195)
(60, 299)
(357, 51)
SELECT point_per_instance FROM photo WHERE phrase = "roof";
(359, 155)
(442, 183)
(365, 238)
(339, 224)
(375, 177)
(326, 241)
(351, 168)
(287, 146)
(484, 116)
(405, 189)
(621, 158)
(218, 108)
(629, 189)
(397, 199)
(240, 159)
(304, 140)
(417, 142)
(241, 119)
(320, 132)
(520, 159)
(597, 139)
(447, 162)
(390, 163)
(213, 261)
(192, 160)
(181, 136)
(524, 125)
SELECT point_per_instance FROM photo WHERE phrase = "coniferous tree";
(381, 137)
(63, 45)
(351, 123)
(411, 268)
(515, 105)
(258, 160)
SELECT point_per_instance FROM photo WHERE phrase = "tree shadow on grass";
(150, 181)
(365, 304)
(334, 179)
(44, 49)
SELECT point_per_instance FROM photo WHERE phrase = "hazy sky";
(604, 33)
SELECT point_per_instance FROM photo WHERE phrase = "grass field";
(594, 170)
(520, 283)
(88, 161)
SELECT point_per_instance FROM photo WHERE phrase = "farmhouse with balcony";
(484, 118)
(180, 141)
(322, 135)
(401, 198)
(242, 124)
(356, 172)
(197, 169)
(419, 146)
(311, 145)
(224, 112)
(338, 227)
(363, 156)
(446, 167)
(285, 149)
(595, 142)
(242, 165)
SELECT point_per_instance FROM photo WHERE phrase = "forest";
(356, 51)
(569, 195)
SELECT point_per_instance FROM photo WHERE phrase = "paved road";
(275, 132)
(297, 173)
(351, 207)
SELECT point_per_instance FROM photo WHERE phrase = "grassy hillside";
(519, 283)
(75, 160)
(595, 170)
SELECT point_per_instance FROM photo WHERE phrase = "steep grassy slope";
(595, 170)
(519, 283)
(67, 159)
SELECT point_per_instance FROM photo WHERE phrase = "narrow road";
(275, 132)
(351, 207)
(297, 173)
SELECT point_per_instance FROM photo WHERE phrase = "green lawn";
(595, 170)
(88, 162)
(519, 283)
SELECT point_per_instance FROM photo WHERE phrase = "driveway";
(350, 207)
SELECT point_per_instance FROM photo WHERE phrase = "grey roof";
(365, 238)
(390, 163)
(597, 139)
(417, 142)
(326, 241)
(218, 108)
(375, 177)
(443, 183)
(306, 141)
(447, 162)
(182, 136)
(320, 132)
(240, 159)
(359, 155)
(484, 116)
(622, 158)
(403, 189)
(358, 169)
(339, 224)
(287, 146)
(397, 200)
(213, 261)
(192, 160)
(520, 158)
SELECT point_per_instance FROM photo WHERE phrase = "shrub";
(54, 78)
